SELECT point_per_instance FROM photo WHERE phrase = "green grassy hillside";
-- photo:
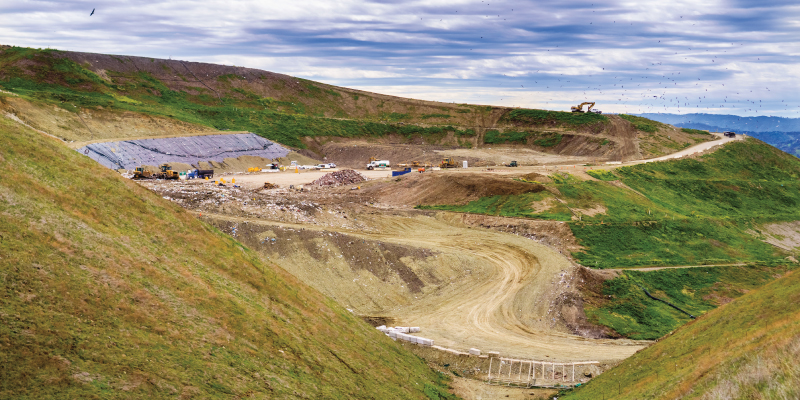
(680, 212)
(279, 107)
(108, 291)
(623, 306)
(746, 349)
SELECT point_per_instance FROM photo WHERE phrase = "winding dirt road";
(506, 307)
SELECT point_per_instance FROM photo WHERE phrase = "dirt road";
(501, 301)
(699, 148)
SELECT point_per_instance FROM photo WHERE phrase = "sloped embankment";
(110, 291)
(745, 349)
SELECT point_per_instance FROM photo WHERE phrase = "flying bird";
(92, 12)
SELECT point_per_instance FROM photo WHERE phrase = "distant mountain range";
(783, 133)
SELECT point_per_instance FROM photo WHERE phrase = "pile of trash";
(344, 177)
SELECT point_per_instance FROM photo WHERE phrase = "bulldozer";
(579, 108)
(166, 172)
(141, 173)
(447, 163)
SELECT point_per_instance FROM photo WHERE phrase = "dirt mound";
(344, 177)
(446, 188)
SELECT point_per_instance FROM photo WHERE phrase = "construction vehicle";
(579, 108)
(447, 163)
(141, 173)
(512, 164)
(166, 172)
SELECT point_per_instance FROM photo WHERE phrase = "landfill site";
(491, 296)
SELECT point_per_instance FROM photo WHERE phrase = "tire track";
(507, 312)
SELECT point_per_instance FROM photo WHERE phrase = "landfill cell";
(129, 154)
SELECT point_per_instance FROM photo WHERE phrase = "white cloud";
(464, 51)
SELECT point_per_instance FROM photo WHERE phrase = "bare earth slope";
(472, 287)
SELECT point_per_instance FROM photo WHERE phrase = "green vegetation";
(541, 205)
(550, 140)
(602, 174)
(694, 131)
(63, 83)
(544, 139)
(679, 242)
(394, 116)
(494, 136)
(633, 314)
(680, 212)
(542, 117)
(428, 116)
(643, 124)
(745, 349)
(110, 291)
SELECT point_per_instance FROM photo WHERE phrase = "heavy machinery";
(512, 164)
(447, 163)
(166, 172)
(579, 108)
(141, 173)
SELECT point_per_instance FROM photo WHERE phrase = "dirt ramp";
(446, 188)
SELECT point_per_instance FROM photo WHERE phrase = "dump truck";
(447, 163)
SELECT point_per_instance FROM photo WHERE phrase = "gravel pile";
(344, 177)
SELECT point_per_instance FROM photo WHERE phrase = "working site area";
(479, 289)
(246, 233)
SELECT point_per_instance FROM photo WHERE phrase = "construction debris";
(344, 177)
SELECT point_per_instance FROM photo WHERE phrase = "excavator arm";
(580, 107)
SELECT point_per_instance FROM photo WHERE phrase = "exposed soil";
(355, 153)
(784, 235)
(464, 285)
(589, 290)
(553, 234)
(441, 188)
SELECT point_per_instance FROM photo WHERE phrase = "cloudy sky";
(725, 57)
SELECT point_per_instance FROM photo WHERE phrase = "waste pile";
(343, 177)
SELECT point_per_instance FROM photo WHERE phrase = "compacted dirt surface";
(466, 281)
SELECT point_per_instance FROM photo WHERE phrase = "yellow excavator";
(589, 109)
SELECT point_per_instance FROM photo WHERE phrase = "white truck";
(378, 164)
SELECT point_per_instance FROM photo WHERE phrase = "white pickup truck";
(378, 164)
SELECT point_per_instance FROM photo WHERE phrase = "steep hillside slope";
(746, 349)
(83, 97)
(109, 291)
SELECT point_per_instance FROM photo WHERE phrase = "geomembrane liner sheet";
(130, 154)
